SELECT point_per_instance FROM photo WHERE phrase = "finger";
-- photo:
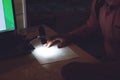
(60, 45)
(54, 43)
(50, 43)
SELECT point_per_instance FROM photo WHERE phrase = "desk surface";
(29, 68)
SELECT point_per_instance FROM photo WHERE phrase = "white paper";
(48, 55)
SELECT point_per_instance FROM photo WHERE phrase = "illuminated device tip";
(42, 35)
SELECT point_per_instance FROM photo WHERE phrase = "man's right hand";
(61, 41)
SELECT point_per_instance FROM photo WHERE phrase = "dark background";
(61, 15)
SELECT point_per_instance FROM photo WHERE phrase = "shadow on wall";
(62, 15)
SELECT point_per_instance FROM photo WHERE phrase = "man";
(108, 21)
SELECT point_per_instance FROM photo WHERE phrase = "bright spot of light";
(45, 51)
(52, 54)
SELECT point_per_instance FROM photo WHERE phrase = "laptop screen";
(7, 20)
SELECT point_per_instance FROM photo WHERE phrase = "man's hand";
(61, 41)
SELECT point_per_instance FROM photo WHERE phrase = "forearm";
(83, 32)
(90, 29)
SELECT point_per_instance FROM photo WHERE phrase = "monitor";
(7, 17)
(11, 42)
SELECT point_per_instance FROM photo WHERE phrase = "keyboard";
(14, 45)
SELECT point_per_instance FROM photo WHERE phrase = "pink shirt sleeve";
(90, 28)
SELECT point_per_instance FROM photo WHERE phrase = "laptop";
(11, 43)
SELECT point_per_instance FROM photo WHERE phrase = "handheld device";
(42, 34)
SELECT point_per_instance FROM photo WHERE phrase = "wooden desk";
(28, 68)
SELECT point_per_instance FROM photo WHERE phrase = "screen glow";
(7, 18)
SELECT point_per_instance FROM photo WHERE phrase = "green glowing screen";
(6, 16)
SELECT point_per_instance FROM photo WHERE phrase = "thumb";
(60, 45)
